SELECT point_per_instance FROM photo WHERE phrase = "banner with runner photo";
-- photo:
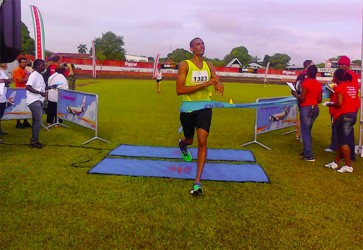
(274, 118)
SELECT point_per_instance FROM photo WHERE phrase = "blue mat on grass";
(174, 153)
(181, 170)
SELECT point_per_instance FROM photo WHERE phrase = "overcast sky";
(303, 29)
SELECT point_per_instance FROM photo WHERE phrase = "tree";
(279, 61)
(82, 48)
(109, 47)
(179, 55)
(241, 53)
(255, 59)
(357, 62)
(266, 59)
(27, 43)
(216, 62)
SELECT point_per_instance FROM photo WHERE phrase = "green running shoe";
(197, 189)
(185, 153)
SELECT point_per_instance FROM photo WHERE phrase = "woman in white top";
(59, 80)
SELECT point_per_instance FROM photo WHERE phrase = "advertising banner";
(16, 108)
(78, 107)
(274, 118)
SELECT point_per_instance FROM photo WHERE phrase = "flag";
(155, 67)
(38, 33)
(94, 72)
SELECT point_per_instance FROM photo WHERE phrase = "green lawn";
(48, 201)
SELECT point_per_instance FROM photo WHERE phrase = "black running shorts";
(194, 120)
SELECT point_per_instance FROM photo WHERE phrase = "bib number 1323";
(199, 77)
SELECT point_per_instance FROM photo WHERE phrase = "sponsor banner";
(16, 107)
(131, 64)
(275, 117)
(38, 32)
(78, 107)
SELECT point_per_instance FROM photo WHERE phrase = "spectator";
(298, 86)
(5, 80)
(344, 118)
(35, 96)
(332, 110)
(58, 80)
(310, 97)
(69, 74)
(20, 76)
(53, 63)
(344, 63)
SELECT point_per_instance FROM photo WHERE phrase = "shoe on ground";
(309, 159)
(26, 125)
(345, 169)
(328, 150)
(187, 156)
(196, 189)
(19, 125)
(3, 133)
(35, 144)
(332, 165)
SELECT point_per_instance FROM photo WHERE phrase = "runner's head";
(197, 46)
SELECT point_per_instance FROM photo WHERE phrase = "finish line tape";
(193, 106)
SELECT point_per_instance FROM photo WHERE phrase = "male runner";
(194, 78)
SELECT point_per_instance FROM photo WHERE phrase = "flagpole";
(94, 71)
(266, 72)
(360, 146)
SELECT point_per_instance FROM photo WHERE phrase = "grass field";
(48, 201)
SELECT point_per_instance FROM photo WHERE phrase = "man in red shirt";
(53, 63)
(344, 63)
(20, 76)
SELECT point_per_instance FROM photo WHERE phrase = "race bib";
(199, 77)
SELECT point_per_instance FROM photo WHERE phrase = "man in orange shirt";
(20, 76)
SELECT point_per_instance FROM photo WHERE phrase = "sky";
(309, 29)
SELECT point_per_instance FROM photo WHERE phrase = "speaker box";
(10, 30)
